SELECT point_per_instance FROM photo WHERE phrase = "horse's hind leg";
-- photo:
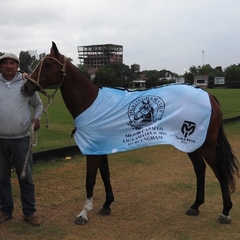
(199, 167)
(218, 153)
(105, 174)
(227, 203)
(93, 162)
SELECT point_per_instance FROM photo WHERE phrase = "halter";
(41, 89)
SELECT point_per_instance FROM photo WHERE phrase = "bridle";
(36, 82)
(41, 89)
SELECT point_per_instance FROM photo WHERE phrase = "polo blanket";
(122, 120)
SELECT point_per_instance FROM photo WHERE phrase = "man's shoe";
(4, 217)
(32, 219)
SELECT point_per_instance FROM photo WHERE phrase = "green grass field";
(60, 124)
(229, 100)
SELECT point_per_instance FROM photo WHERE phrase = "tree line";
(117, 74)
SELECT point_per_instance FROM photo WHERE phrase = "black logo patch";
(145, 111)
(188, 128)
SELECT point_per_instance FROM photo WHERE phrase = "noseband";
(41, 89)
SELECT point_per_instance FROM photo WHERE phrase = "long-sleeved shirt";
(16, 109)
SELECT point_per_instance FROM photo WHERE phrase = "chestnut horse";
(79, 93)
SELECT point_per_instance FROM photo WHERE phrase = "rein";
(33, 134)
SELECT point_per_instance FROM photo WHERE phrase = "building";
(135, 67)
(200, 80)
(180, 80)
(95, 56)
(138, 84)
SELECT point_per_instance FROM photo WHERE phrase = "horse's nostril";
(24, 89)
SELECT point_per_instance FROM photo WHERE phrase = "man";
(16, 112)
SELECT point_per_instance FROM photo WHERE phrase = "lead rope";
(33, 136)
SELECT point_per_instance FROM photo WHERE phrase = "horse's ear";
(54, 49)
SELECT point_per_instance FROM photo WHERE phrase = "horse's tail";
(226, 159)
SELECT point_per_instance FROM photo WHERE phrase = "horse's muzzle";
(25, 90)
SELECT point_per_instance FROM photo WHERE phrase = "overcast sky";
(156, 34)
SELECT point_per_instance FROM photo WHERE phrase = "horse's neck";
(78, 92)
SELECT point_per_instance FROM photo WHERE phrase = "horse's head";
(49, 72)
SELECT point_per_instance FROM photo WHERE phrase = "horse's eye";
(47, 64)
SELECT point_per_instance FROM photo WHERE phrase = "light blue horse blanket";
(122, 120)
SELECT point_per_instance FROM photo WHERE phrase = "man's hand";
(24, 75)
(36, 123)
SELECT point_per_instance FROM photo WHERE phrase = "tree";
(33, 63)
(233, 73)
(194, 70)
(113, 74)
(27, 63)
(106, 76)
(163, 73)
(150, 73)
(152, 81)
(206, 69)
(123, 72)
(188, 77)
(84, 70)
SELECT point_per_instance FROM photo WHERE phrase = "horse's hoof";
(80, 221)
(104, 211)
(192, 212)
(224, 219)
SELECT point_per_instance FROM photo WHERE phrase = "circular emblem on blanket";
(144, 111)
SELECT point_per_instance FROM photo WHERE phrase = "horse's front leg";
(199, 168)
(105, 174)
(93, 162)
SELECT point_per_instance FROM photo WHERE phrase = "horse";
(79, 93)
